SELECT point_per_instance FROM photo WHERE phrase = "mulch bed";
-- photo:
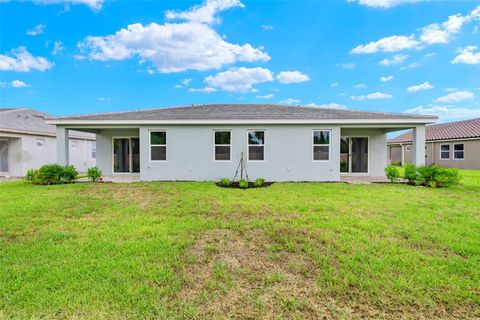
(250, 185)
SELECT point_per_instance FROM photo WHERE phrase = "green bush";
(435, 176)
(94, 173)
(392, 173)
(225, 182)
(396, 163)
(243, 184)
(410, 173)
(52, 174)
(31, 173)
(259, 182)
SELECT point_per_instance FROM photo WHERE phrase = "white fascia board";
(253, 121)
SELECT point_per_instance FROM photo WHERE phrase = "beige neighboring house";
(27, 142)
(451, 145)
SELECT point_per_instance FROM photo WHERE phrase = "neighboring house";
(206, 143)
(451, 145)
(27, 142)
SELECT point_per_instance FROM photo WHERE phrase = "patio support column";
(419, 145)
(62, 146)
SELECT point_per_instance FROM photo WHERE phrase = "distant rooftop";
(244, 112)
(26, 120)
(445, 131)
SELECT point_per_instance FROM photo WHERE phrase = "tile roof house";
(27, 142)
(207, 142)
(454, 145)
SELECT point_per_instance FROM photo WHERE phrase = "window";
(444, 151)
(74, 144)
(158, 145)
(408, 148)
(40, 143)
(458, 151)
(222, 141)
(321, 145)
(94, 150)
(256, 145)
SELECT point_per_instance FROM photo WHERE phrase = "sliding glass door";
(126, 155)
(4, 156)
(354, 154)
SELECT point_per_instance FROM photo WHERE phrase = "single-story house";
(206, 142)
(451, 145)
(27, 142)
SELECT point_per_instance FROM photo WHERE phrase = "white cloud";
(333, 85)
(183, 83)
(388, 44)
(204, 13)
(360, 86)
(346, 65)
(396, 59)
(384, 4)
(424, 86)
(290, 101)
(292, 77)
(35, 31)
(386, 78)
(239, 79)
(446, 112)
(327, 105)
(434, 33)
(267, 27)
(456, 96)
(467, 55)
(175, 47)
(95, 5)
(22, 61)
(57, 47)
(104, 99)
(14, 84)
(372, 96)
(203, 90)
(266, 96)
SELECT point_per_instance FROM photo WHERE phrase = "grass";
(194, 250)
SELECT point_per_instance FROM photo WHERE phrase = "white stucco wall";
(24, 154)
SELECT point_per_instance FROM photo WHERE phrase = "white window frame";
(454, 157)
(258, 145)
(93, 147)
(42, 140)
(222, 145)
(449, 150)
(150, 145)
(318, 145)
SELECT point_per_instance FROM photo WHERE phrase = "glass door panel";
(359, 155)
(135, 155)
(344, 154)
(3, 155)
(121, 155)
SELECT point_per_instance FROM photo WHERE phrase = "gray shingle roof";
(445, 131)
(244, 112)
(31, 121)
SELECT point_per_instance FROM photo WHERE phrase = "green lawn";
(194, 250)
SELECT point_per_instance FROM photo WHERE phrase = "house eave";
(240, 121)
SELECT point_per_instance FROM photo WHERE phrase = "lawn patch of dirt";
(240, 275)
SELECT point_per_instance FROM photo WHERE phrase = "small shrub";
(225, 182)
(259, 182)
(31, 173)
(94, 173)
(410, 173)
(52, 174)
(435, 176)
(392, 173)
(243, 184)
(396, 163)
(343, 166)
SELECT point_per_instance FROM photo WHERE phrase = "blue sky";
(84, 56)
